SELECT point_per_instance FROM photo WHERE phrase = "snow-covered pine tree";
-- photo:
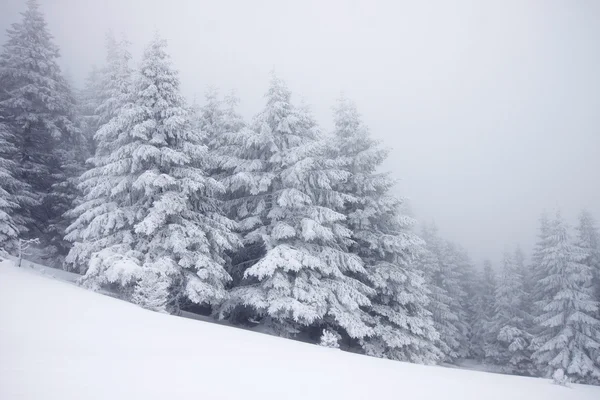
(232, 120)
(105, 99)
(295, 270)
(403, 327)
(527, 305)
(484, 303)
(114, 79)
(216, 120)
(527, 279)
(510, 321)
(588, 238)
(569, 334)
(9, 188)
(88, 101)
(37, 108)
(72, 151)
(149, 199)
(456, 267)
(467, 279)
(210, 119)
(442, 278)
(537, 273)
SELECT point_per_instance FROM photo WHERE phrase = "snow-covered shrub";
(559, 378)
(330, 338)
(152, 291)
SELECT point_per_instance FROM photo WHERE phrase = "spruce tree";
(403, 327)
(484, 302)
(510, 321)
(37, 107)
(88, 101)
(442, 276)
(106, 95)
(9, 187)
(149, 202)
(295, 270)
(569, 333)
(588, 238)
(456, 268)
(210, 119)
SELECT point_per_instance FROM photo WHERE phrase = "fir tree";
(403, 327)
(149, 199)
(37, 107)
(484, 303)
(510, 321)
(569, 334)
(295, 270)
(456, 267)
(88, 101)
(106, 95)
(441, 275)
(9, 186)
(210, 119)
(588, 238)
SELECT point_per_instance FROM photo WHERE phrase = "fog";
(491, 111)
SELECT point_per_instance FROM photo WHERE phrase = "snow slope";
(59, 341)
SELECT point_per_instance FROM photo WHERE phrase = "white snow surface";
(60, 341)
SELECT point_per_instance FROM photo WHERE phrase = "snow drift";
(59, 341)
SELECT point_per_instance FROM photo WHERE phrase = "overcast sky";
(491, 109)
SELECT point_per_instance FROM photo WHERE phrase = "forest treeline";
(270, 221)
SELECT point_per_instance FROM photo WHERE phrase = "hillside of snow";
(59, 341)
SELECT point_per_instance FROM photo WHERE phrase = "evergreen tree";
(569, 334)
(148, 200)
(403, 327)
(588, 238)
(114, 80)
(441, 275)
(510, 321)
(537, 273)
(9, 187)
(37, 107)
(295, 271)
(484, 303)
(105, 96)
(210, 119)
(456, 268)
(88, 101)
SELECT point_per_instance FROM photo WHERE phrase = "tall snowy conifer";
(588, 238)
(403, 327)
(9, 190)
(149, 205)
(88, 101)
(442, 277)
(295, 270)
(569, 335)
(106, 94)
(454, 278)
(211, 118)
(510, 321)
(37, 107)
(484, 303)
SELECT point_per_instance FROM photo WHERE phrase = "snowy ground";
(59, 341)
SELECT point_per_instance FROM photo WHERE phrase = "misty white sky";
(491, 109)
